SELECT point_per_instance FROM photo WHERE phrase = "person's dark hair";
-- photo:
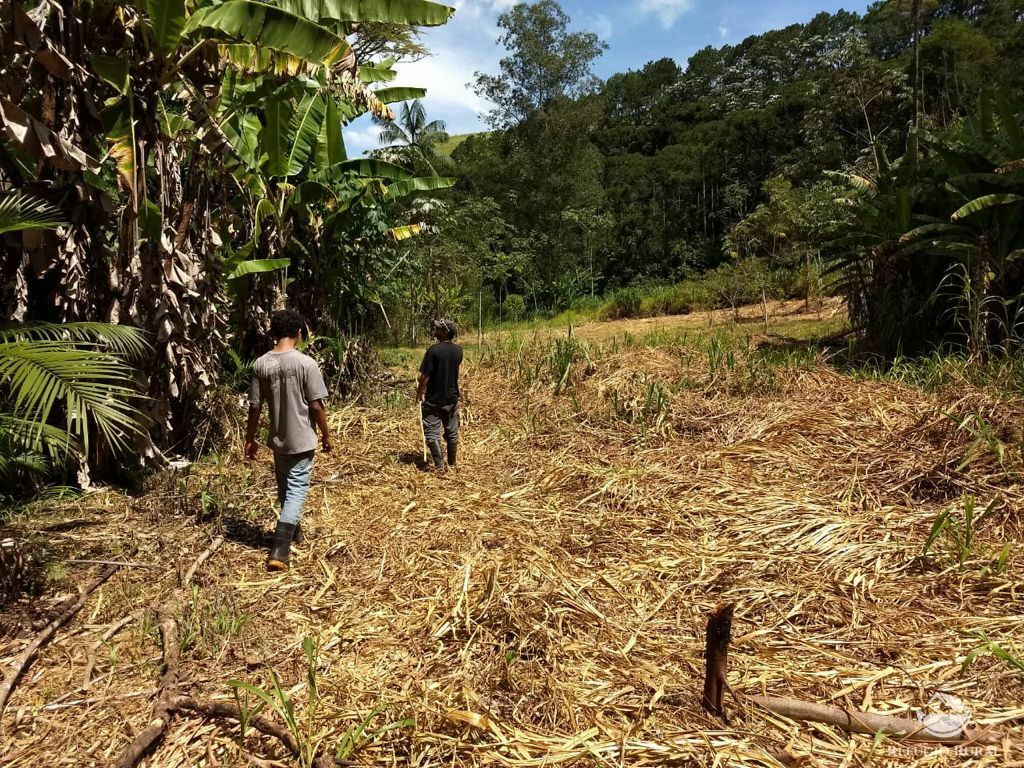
(446, 329)
(285, 323)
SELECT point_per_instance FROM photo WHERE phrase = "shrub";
(587, 305)
(679, 299)
(515, 307)
(625, 302)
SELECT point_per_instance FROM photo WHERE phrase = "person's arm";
(320, 418)
(251, 448)
(315, 392)
(426, 368)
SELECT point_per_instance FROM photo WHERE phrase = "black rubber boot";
(278, 560)
(298, 538)
(435, 452)
(453, 449)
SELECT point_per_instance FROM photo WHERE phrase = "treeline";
(771, 157)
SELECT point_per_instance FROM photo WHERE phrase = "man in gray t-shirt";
(291, 385)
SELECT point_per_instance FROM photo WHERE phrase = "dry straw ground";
(545, 604)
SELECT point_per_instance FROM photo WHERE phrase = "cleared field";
(452, 143)
(546, 602)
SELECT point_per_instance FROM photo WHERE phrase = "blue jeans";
(293, 471)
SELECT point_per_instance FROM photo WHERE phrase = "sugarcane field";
(520, 383)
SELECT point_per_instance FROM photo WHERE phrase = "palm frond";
(392, 133)
(38, 374)
(19, 211)
(414, 117)
(438, 160)
(30, 437)
(117, 339)
(15, 463)
(28, 450)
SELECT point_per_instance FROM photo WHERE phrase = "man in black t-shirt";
(438, 392)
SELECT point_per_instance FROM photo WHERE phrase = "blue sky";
(636, 32)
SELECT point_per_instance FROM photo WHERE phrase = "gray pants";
(438, 418)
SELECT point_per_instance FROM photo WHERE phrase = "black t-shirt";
(441, 366)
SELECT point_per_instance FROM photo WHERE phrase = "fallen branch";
(716, 654)
(853, 721)
(228, 711)
(167, 687)
(111, 562)
(205, 555)
(24, 661)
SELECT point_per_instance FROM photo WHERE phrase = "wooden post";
(716, 658)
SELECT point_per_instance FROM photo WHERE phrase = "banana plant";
(172, 169)
(296, 165)
(980, 240)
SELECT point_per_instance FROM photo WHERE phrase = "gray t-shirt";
(288, 382)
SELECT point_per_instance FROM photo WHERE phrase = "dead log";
(716, 654)
(24, 661)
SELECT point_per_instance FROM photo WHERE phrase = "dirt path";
(546, 602)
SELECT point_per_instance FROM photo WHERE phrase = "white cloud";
(467, 44)
(446, 76)
(723, 31)
(602, 26)
(667, 11)
(361, 136)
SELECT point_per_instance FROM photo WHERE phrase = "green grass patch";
(452, 143)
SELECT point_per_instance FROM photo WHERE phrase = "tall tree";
(545, 61)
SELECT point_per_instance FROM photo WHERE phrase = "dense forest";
(778, 165)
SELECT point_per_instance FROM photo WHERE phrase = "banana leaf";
(419, 184)
(418, 13)
(258, 266)
(270, 27)
(167, 20)
(983, 203)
